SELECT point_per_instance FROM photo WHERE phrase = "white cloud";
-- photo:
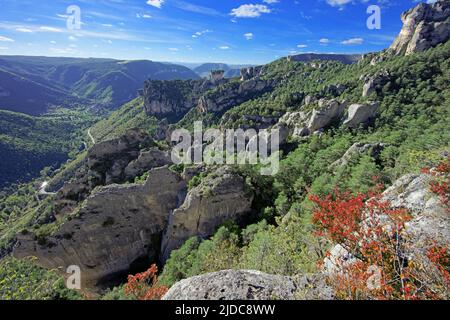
(248, 36)
(250, 11)
(271, 1)
(200, 33)
(155, 3)
(6, 39)
(224, 47)
(353, 41)
(53, 42)
(50, 29)
(143, 16)
(338, 3)
(174, 49)
(4, 48)
(72, 38)
(107, 25)
(324, 41)
(25, 30)
(302, 46)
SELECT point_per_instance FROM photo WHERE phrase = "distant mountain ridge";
(33, 84)
(344, 58)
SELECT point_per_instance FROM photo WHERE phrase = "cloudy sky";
(232, 31)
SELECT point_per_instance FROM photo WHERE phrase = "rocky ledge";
(249, 285)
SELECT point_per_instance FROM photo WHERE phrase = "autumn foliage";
(441, 181)
(379, 262)
(144, 286)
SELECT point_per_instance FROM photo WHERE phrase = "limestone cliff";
(116, 228)
(424, 27)
(220, 197)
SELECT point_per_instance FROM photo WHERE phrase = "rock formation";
(424, 27)
(233, 94)
(220, 197)
(372, 149)
(430, 220)
(116, 227)
(375, 83)
(173, 99)
(251, 72)
(327, 112)
(360, 114)
(249, 285)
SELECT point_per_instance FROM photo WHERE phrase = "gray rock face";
(373, 149)
(220, 197)
(424, 27)
(248, 285)
(115, 228)
(233, 94)
(375, 83)
(173, 99)
(327, 112)
(107, 160)
(359, 114)
(153, 158)
(430, 218)
(251, 72)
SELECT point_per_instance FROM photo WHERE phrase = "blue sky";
(231, 31)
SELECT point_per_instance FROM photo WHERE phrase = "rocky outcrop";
(115, 229)
(221, 196)
(372, 149)
(304, 123)
(327, 112)
(107, 160)
(375, 83)
(424, 27)
(334, 90)
(233, 94)
(147, 160)
(251, 72)
(360, 114)
(430, 220)
(173, 99)
(249, 285)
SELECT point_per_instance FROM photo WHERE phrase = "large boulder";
(249, 285)
(220, 197)
(327, 112)
(117, 227)
(424, 27)
(360, 114)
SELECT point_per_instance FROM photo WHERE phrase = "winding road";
(91, 136)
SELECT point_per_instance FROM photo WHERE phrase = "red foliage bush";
(371, 231)
(144, 286)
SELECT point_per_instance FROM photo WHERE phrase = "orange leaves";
(144, 286)
(441, 183)
(372, 232)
